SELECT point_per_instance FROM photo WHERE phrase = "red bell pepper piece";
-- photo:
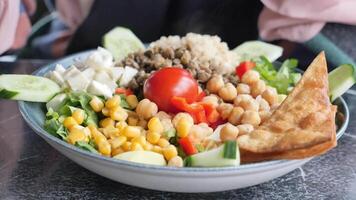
(212, 115)
(244, 67)
(124, 91)
(201, 96)
(187, 146)
(195, 110)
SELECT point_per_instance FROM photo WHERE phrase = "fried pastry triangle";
(302, 126)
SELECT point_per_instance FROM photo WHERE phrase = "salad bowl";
(171, 179)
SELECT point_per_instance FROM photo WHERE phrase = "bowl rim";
(122, 163)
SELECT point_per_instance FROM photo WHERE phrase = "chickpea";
(228, 92)
(163, 115)
(270, 95)
(243, 88)
(263, 104)
(199, 132)
(244, 129)
(251, 117)
(250, 77)
(176, 161)
(264, 115)
(146, 109)
(229, 132)
(180, 115)
(236, 115)
(242, 97)
(224, 110)
(215, 84)
(250, 104)
(258, 88)
(212, 99)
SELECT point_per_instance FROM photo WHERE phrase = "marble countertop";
(31, 169)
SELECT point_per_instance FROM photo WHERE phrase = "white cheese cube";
(89, 73)
(116, 73)
(100, 59)
(55, 102)
(78, 82)
(56, 77)
(105, 79)
(71, 71)
(60, 69)
(98, 88)
(128, 75)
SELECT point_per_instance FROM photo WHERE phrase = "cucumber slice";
(145, 157)
(121, 41)
(340, 80)
(225, 155)
(27, 88)
(254, 49)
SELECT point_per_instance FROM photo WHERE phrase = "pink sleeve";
(9, 15)
(301, 20)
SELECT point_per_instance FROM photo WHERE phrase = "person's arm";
(10, 14)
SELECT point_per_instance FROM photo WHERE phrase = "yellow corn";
(152, 137)
(121, 125)
(140, 140)
(111, 132)
(132, 121)
(113, 102)
(117, 142)
(76, 135)
(117, 151)
(136, 147)
(183, 127)
(126, 146)
(69, 122)
(104, 147)
(78, 115)
(157, 149)
(155, 125)
(96, 104)
(170, 152)
(131, 131)
(148, 146)
(132, 101)
(118, 114)
(93, 130)
(105, 111)
(163, 142)
(106, 122)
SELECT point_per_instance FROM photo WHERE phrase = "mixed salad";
(176, 117)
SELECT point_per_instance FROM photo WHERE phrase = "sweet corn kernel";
(104, 147)
(136, 147)
(163, 142)
(118, 114)
(126, 146)
(132, 101)
(170, 152)
(131, 131)
(140, 140)
(157, 149)
(69, 122)
(132, 121)
(107, 122)
(183, 127)
(117, 142)
(154, 124)
(117, 151)
(121, 125)
(77, 135)
(96, 104)
(152, 137)
(79, 115)
(113, 102)
(105, 111)
(148, 146)
(111, 132)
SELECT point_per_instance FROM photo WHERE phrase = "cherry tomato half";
(168, 82)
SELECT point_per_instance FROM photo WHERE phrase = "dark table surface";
(31, 169)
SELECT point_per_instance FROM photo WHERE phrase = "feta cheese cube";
(98, 88)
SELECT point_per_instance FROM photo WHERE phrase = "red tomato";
(244, 67)
(187, 146)
(168, 82)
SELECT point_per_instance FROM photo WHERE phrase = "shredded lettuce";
(86, 146)
(282, 79)
(53, 125)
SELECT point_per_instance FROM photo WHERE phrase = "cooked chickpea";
(198, 132)
(243, 88)
(251, 117)
(270, 95)
(264, 115)
(180, 115)
(258, 88)
(263, 104)
(250, 104)
(212, 99)
(215, 84)
(228, 92)
(224, 110)
(250, 77)
(146, 109)
(235, 116)
(176, 161)
(242, 97)
(163, 115)
(245, 129)
(229, 132)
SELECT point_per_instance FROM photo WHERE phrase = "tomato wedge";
(187, 146)
(243, 67)
(124, 91)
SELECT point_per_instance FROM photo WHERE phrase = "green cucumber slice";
(255, 49)
(225, 155)
(27, 88)
(340, 80)
(121, 41)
